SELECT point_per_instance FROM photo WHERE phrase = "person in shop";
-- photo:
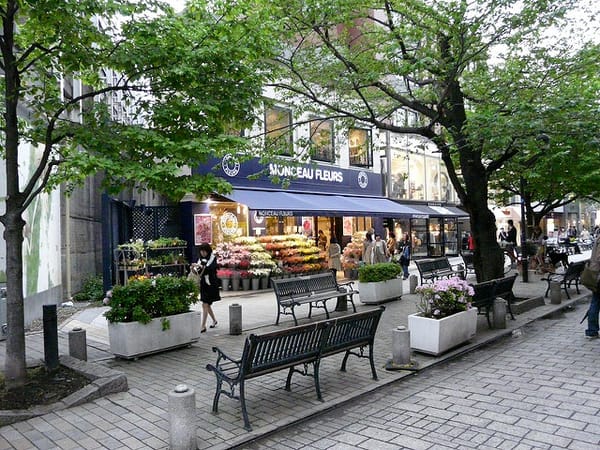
(322, 240)
(367, 250)
(334, 252)
(405, 252)
(206, 267)
(380, 252)
(502, 236)
(391, 244)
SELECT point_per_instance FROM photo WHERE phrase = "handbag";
(589, 278)
(195, 276)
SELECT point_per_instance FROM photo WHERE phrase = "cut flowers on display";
(444, 298)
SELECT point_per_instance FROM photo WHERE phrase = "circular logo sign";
(229, 224)
(258, 219)
(231, 165)
(363, 179)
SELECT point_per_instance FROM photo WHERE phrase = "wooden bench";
(566, 279)
(312, 289)
(488, 291)
(301, 345)
(433, 269)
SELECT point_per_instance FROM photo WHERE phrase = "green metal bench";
(312, 289)
(302, 345)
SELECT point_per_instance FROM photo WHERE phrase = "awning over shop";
(440, 211)
(282, 203)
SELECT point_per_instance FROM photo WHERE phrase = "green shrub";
(144, 299)
(378, 272)
(92, 290)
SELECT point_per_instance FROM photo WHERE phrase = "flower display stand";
(434, 337)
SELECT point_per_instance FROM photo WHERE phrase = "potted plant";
(152, 314)
(445, 318)
(224, 275)
(379, 282)
(245, 276)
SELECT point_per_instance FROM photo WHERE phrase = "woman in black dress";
(209, 283)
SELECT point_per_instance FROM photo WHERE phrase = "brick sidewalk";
(139, 418)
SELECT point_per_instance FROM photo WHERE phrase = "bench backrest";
(504, 286)
(353, 330)
(276, 350)
(425, 266)
(305, 285)
(574, 270)
(484, 293)
(442, 264)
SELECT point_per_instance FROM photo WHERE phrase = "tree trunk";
(14, 368)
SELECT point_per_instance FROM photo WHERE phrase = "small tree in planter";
(151, 315)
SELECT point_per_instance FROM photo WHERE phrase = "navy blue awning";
(282, 203)
(440, 211)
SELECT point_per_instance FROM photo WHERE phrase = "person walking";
(592, 314)
(511, 241)
(334, 251)
(391, 244)
(206, 267)
(367, 250)
(380, 253)
(405, 255)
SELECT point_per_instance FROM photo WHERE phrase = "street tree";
(455, 63)
(559, 165)
(186, 79)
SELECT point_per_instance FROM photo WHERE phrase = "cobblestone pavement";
(535, 391)
(139, 418)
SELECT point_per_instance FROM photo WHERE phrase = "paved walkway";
(139, 418)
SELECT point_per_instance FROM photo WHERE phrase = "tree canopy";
(184, 81)
(478, 73)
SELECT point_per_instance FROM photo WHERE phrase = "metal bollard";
(77, 343)
(499, 313)
(50, 336)
(555, 294)
(401, 346)
(413, 280)
(235, 319)
(182, 418)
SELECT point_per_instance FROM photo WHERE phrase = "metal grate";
(151, 222)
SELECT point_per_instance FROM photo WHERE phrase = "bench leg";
(487, 316)
(325, 308)
(350, 298)
(288, 382)
(278, 314)
(316, 377)
(371, 360)
(547, 290)
(294, 315)
(243, 402)
(215, 407)
(566, 290)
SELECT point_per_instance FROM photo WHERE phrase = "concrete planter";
(434, 336)
(133, 339)
(380, 291)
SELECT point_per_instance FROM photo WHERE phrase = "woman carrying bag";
(206, 267)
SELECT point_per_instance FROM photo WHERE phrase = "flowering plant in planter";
(444, 298)
(245, 274)
(224, 273)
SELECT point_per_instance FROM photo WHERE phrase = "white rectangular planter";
(133, 339)
(380, 291)
(437, 336)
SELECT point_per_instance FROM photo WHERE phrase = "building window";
(361, 153)
(278, 130)
(321, 140)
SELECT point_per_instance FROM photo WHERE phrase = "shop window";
(417, 178)
(321, 140)
(278, 130)
(399, 175)
(419, 237)
(450, 237)
(361, 153)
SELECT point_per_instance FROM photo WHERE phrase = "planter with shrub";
(379, 283)
(150, 315)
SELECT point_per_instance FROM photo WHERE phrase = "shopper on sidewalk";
(594, 309)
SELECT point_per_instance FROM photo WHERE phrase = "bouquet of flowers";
(444, 298)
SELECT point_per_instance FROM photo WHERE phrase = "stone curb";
(103, 381)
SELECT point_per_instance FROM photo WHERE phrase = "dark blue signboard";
(311, 177)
